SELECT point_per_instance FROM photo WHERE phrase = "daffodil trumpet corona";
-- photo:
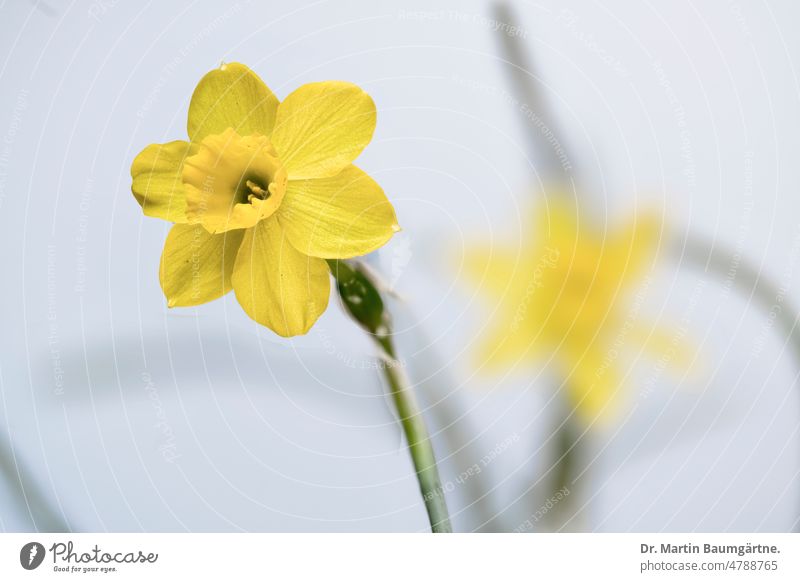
(261, 196)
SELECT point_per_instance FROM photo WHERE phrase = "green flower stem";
(419, 446)
(363, 301)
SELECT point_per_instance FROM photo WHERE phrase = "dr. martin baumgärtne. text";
(738, 550)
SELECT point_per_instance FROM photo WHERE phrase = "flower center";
(256, 191)
(233, 181)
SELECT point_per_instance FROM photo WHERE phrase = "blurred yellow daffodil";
(567, 297)
(262, 193)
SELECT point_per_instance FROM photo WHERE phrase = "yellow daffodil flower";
(566, 297)
(262, 193)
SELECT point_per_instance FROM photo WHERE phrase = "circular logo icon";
(31, 555)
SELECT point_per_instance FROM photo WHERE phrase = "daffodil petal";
(196, 266)
(510, 341)
(635, 248)
(157, 183)
(592, 382)
(345, 216)
(322, 127)
(276, 285)
(231, 96)
(670, 347)
(497, 272)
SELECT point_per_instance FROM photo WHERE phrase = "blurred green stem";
(546, 143)
(43, 515)
(363, 301)
(544, 135)
(568, 438)
(443, 398)
(749, 281)
(745, 278)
